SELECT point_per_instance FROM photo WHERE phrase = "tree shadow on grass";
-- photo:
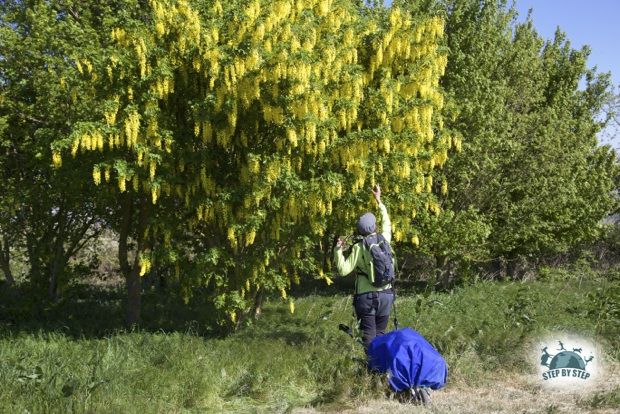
(346, 286)
(88, 312)
(290, 336)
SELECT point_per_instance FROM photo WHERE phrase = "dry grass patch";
(511, 393)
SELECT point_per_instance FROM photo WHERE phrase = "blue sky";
(595, 23)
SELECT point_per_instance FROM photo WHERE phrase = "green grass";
(283, 361)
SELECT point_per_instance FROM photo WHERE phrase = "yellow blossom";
(56, 159)
(122, 184)
(96, 175)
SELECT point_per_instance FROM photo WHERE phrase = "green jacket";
(360, 259)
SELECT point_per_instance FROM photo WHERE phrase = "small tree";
(49, 213)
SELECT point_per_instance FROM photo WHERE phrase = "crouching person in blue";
(372, 303)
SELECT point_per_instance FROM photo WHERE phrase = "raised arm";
(386, 229)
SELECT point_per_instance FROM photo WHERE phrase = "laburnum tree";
(238, 136)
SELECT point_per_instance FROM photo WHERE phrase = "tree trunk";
(132, 278)
(5, 260)
(258, 303)
(33, 260)
(57, 268)
(57, 259)
(134, 297)
(499, 268)
(443, 276)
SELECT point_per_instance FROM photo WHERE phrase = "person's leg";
(365, 313)
(384, 307)
(381, 323)
(368, 327)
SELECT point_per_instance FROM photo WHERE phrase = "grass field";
(73, 359)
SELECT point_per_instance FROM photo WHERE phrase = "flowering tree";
(237, 136)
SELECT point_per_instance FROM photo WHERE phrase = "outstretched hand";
(376, 191)
(340, 243)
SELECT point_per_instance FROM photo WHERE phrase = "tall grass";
(283, 361)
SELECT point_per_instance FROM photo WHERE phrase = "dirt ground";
(516, 394)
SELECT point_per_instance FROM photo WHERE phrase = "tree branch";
(78, 241)
(31, 118)
(73, 14)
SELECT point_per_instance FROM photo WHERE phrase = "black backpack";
(382, 263)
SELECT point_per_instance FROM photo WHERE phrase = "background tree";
(48, 213)
(531, 170)
(611, 113)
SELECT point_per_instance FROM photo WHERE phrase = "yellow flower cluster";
(456, 141)
(252, 11)
(110, 115)
(122, 183)
(141, 53)
(429, 183)
(132, 128)
(87, 142)
(119, 35)
(250, 237)
(155, 190)
(206, 213)
(323, 7)
(440, 157)
(291, 135)
(433, 207)
(207, 183)
(163, 87)
(444, 187)
(96, 175)
(56, 159)
(232, 237)
(145, 264)
(402, 170)
(273, 114)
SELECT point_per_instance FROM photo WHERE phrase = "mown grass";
(282, 361)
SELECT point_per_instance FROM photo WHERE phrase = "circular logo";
(567, 359)
(567, 362)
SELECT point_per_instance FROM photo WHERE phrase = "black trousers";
(373, 313)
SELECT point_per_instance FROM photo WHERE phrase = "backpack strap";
(365, 246)
(365, 243)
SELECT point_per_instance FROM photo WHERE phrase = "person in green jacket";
(372, 304)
